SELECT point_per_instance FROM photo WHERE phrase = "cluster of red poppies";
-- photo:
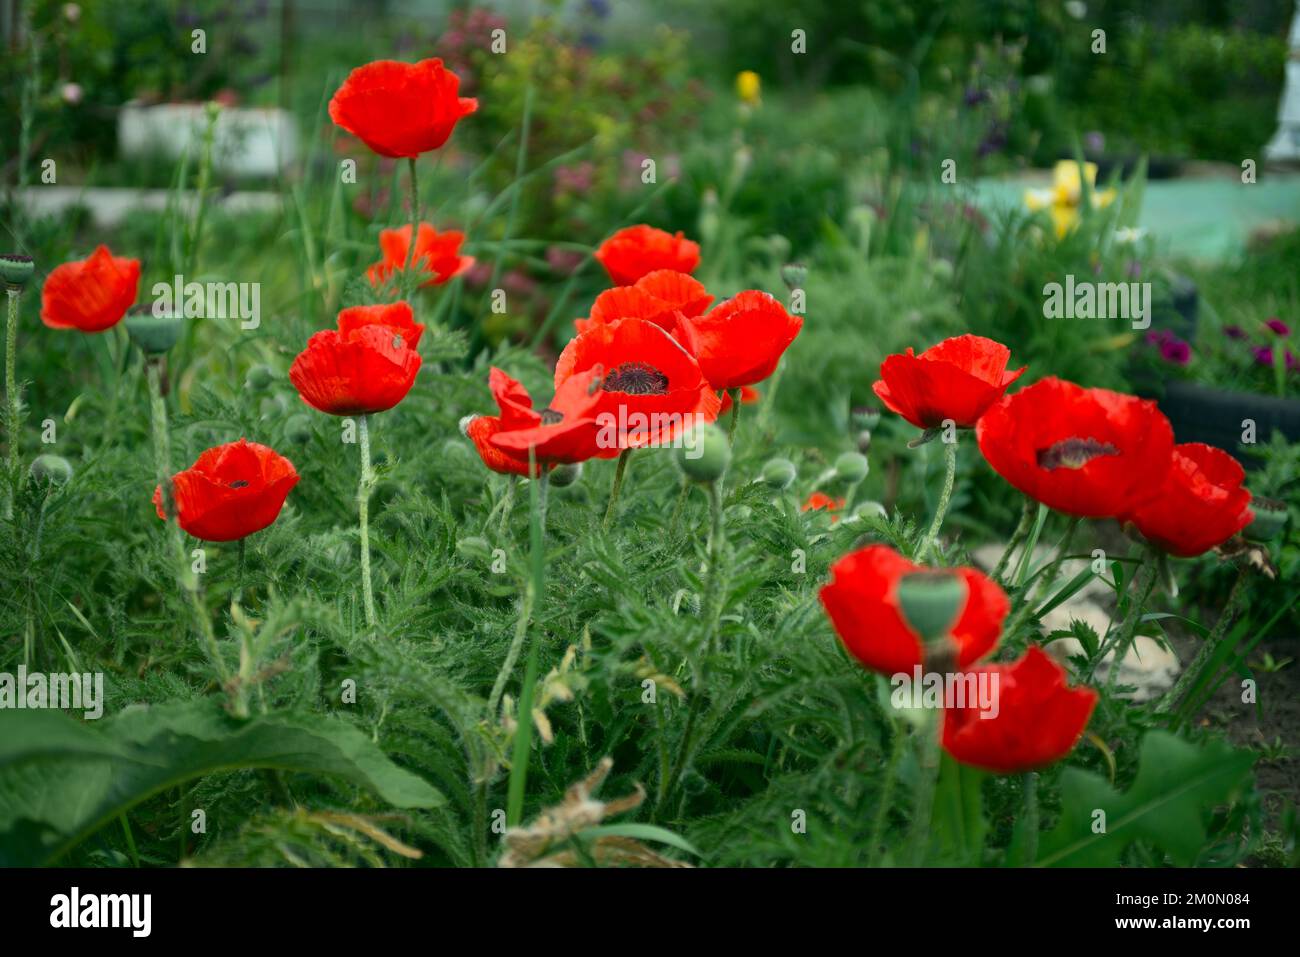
(647, 363)
(1089, 453)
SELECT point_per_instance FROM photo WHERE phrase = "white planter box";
(247, 142)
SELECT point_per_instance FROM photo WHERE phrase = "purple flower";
(1172, 349)
(1234, 332)
(1278, 326)
(1094, 142)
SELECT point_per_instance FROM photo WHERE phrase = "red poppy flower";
(656, 296)
(862, 602)
(232, 491)
(92, 294)
(957, 379)
(818, 501)
(740, 341)
(400, 109)
(748, 396)
(564, 431)
(363, 366)
(637, 250)
(1039, 719)
(1087, 452)
(398, 316)
(1200, 505)
(651, 389)
(437, 254)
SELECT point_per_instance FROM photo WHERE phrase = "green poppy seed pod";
(152, 334)
(259, 377)
(865, 417)
(54, 469)
(1270, 518)
(562, 476)
(705, 455)
(298, 429)
(852, 466)
(16, 269)
(863, 441)
(794, 275)
(931, 601)
(779, 474)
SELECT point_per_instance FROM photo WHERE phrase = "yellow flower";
(748, 86)
(1063, 199)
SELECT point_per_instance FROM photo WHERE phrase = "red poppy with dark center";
(957, 379)
(230, 492)
(657, 297)
(92, 294)
(739, 341)
(400, 109)
(1200, 504)
(638, 250)
(437, 254)
(1039, 719)
(862, 603)
(398, 316)
(1087, 452)
(564, 431)
(651, 388)
(363, 366)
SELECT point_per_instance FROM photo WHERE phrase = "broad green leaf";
(1177, 783)
(61, 780)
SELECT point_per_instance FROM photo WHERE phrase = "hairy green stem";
(1029, 852)
(949, 477)
(1124, 636)
(11, 397)
(1236, 599)
(525, 613)
(735, 416)
(884, 803)
(1022, 529)
(613, 492)
(363, 513)
(928, 774)
(408, 283)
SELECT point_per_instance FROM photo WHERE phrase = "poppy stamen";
(1073, 453)
(636, 378)
(239, 484)
(551, 416)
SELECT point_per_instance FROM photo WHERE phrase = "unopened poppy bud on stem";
(706, 458)
(931, 601)
(259, 377)
(562, 476)
(54, 469)
(16, 269)
(852, 467)
(1270, 517)
(779, 474)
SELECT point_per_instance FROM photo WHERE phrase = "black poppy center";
(239, 484)
(551, 416)
(1073, 453)
(636, 378)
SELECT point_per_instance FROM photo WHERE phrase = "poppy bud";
(779, 474)
(931, 601)
(53, 469)
(852, 467)
(152, 334)
(864, 441)
(869, 510)
(1270, 518)
(16, 269)
(562, 476)
(794, 275)
(259, 377)
(298, 429)
(707, 457)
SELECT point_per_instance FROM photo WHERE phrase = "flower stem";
(613, 492)
(407, 279)
(11, 398)
(1018, 536)
(735, 416)
(239, 570)
(1029, 852)
(184, 574)
(1124, 637)
(923, 807)
(363, 512)
(885, 802)
(949, 476)
(525, 612)
(1236, 598)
